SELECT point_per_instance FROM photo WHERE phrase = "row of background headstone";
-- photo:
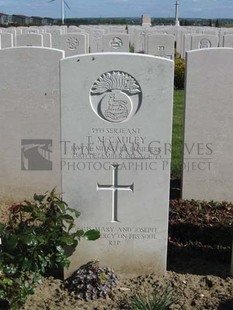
(30, 120)
(157, 41)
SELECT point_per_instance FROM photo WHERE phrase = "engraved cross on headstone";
(115, 187)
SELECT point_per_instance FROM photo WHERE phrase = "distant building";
(20, 19)
(36, 20)
(25, 20)
(47, 21)
(4, 19)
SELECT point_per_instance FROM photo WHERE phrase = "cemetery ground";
(199, 254)
(199, 250)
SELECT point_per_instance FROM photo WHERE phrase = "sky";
(120, 8)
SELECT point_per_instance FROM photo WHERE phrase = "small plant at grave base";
(91, 281)
(15, 286)
(153, 301)
(179, 74)
(34, 240)
(131, 48)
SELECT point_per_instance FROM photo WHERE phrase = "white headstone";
(116, 132)
(208, 148)
(55, 36)
(24, 30)
(18, 30)
(116, 29)
(6, 40)
(29, 122)
(29, 40)
(222, 33)
(64, 29)
(13, 32)
(187, 44)
(75, 29)
(72, 43)
(140, 40)
(96, 40)
(161, 45)
(210, 31)
(180, 41)
(47, 40)
(33, 30)
(204, 41)
(87, 42)
(228, 40)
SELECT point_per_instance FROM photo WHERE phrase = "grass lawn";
(177, 134)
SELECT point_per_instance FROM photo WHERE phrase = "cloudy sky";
(120, 8)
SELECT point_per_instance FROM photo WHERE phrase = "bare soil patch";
(198, 281)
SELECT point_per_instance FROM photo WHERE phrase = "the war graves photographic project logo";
(35, 154)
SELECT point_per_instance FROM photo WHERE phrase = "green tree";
(217, 24)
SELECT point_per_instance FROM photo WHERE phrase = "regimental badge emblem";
(116, 43)
(72, 43)
(115, 96)
(204, 43)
